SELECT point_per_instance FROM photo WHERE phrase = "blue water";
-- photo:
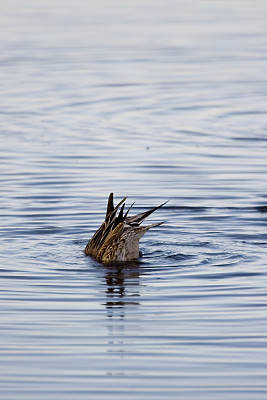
(157, 101)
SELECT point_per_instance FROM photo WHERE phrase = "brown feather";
(117, 239)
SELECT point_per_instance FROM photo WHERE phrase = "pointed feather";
(118, 236)
(110, 206)
(139, 218)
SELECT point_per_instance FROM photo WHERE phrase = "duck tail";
(139, 218)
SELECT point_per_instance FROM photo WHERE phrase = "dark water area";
(155, 101)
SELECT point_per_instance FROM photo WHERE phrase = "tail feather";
(139, 218)
(110, 206)
(147, 227)
(115, 225)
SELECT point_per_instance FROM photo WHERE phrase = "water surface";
(157, 102)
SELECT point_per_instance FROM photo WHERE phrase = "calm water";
(158, 101)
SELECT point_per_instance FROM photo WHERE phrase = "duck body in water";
(118, 237)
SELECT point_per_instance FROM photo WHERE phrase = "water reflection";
(122, 290)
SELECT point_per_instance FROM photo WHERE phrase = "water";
(158, 101)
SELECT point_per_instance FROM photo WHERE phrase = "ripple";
(150, 100)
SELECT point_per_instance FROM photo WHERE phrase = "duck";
(117, 239)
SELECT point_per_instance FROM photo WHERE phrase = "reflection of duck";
(122, 286)
(118, 237)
